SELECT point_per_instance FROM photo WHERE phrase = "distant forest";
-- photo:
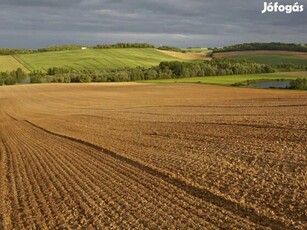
(125, 45)
(263, 46)
(238, 47)
(8, 51)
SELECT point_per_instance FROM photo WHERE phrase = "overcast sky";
(206, 23)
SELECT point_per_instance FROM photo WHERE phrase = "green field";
(94, 59)
(232, 79)
(9, 63)
(272, 59)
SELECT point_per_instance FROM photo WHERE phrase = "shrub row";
(300, 83)
(165, 70)
(12, 77)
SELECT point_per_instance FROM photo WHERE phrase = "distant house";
(84, 48)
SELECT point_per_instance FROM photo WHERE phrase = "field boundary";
(22, 62)
(197, 192)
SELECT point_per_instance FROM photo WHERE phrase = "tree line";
(299, 83)
(290, 67)
(9, 51)
(59, 48)
(165, 70)
(124, 45)
(263, 46)
(12, 77)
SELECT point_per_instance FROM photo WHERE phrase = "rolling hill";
(97, 59)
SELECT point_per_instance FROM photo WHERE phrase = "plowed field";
(152, 156)
(272, 57)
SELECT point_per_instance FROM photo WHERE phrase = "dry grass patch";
(188, 55)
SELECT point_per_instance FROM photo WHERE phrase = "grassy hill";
(94, 59)
(268, 57)
(8, 63)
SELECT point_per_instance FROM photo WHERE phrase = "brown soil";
(146, 156)
(269, 52)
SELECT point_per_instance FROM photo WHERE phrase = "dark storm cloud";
(35, 23)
